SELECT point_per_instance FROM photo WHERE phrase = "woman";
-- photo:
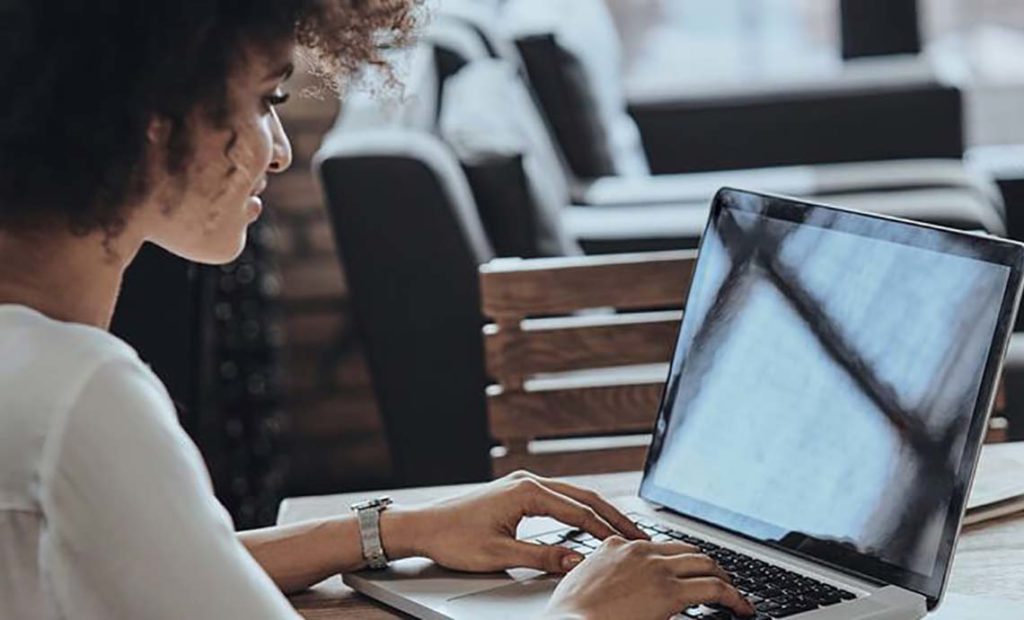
(132, 121)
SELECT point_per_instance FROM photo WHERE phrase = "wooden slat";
(306, 378)
(295, 191)
(351, 414)
(353, 461)
(517, 288)
(321, 236)
(314, 330)
(569, 343)
(316, 278)
(573, 463)
(574, 411)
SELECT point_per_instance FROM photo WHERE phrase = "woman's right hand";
(642, 580)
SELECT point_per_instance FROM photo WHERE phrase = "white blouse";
(106, 509)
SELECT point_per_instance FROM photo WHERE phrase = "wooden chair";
(577, 392)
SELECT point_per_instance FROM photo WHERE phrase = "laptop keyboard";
(774, 591)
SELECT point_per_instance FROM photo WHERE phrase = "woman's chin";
(220, 253)
(229, 254)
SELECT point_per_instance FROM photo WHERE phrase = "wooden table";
(989, 560)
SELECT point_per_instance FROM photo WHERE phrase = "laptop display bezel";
(990, 249)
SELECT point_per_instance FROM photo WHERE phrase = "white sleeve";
(133, 527)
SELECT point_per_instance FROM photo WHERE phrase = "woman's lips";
(260, 187)
(255, 203)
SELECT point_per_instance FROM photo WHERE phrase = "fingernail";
(570, 561)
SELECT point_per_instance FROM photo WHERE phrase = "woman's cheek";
(253, 152)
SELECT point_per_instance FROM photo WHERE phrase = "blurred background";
(342, 351)
(979, 44)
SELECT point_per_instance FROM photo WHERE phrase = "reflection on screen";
(828, 385)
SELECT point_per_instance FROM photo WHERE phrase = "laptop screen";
(830, 384)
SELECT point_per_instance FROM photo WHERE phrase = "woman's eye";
(275, 99)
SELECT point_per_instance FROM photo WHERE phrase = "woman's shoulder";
(48, 369)
(31, 337)
(45, 365)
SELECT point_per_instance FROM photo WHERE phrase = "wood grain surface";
(574, 411)
(569, 343)
(551, 286)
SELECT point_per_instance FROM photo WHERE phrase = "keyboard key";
(792, 610)
(766, 606)
(551, 539)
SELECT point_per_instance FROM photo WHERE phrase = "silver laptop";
(821, 421)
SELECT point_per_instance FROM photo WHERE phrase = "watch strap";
(368, 515)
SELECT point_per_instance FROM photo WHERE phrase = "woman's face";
(205, 218)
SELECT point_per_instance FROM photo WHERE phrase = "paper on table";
(1000, 480)
(1000, 475)
(963, 607)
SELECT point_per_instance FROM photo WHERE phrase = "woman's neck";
(64, 276)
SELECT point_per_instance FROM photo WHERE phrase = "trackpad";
(521, 599)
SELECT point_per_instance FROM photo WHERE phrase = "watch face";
(377, 502)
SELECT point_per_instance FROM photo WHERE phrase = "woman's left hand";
(477, 531)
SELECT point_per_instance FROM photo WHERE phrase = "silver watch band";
(368, 514)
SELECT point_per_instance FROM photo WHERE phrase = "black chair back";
(410, 243)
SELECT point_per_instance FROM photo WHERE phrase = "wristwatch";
(368, 513)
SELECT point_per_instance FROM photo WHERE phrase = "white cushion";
(811, 180)
(450, 34)
(486, 111)
(485, 16)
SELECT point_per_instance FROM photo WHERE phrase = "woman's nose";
(281, 158)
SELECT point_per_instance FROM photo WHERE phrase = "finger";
(696, 565)
(671, 547)
(712, 590)
(609, 513)
(542, 501)
(547, 558)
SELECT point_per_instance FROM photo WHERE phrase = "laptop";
(820, 425)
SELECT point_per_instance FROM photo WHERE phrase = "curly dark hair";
(83, 79)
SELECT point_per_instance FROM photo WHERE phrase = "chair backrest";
(573, 58)
(578, 348)
(584, 120)
(410, 242)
